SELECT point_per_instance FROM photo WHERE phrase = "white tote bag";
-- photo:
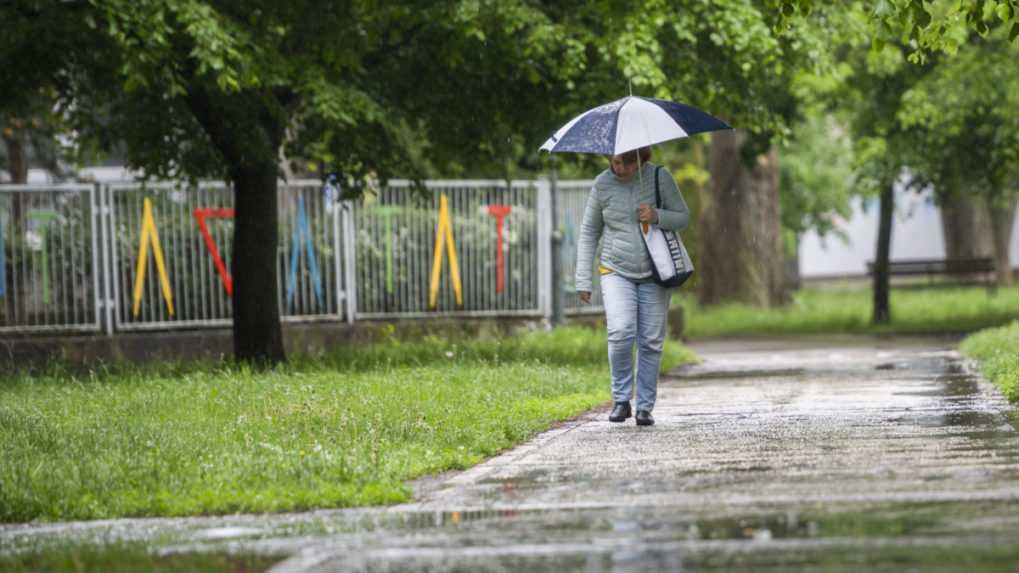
(671, 264)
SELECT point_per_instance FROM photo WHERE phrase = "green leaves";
(1005, 11)
(942, 26)
(884, 9)
(963, 109)
(920, 15)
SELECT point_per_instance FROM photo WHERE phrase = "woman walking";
(635, 306)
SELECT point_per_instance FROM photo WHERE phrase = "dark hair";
(631, 156)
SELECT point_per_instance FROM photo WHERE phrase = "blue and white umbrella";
(630, 123)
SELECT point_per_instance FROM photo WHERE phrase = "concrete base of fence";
(83, 352)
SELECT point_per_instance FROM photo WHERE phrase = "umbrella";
(630, 123)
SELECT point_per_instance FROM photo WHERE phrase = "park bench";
(980, 267)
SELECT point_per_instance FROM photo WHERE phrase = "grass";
(847, 309)
(996, 350)
(344, 429)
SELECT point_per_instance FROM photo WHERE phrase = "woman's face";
(621, 168)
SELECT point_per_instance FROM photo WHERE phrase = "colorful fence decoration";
(499, 212)
(134, 256)
(302, 241)
(150, 236)
(201, 215)
(444, 235)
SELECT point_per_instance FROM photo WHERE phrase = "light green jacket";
(611, 215)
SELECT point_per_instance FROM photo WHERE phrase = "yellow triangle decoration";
(149, 233)
(444, 234)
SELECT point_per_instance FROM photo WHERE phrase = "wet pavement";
(825, 454)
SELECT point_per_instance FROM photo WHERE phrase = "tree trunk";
(740, 231)
(17, 159)
(882, 307)
(247, 128)
(258, 336)
(1002, 214)
(17, 167)
(966, 225)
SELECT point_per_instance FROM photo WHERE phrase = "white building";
(916, 234)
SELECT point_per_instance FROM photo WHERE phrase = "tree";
(918, 31)
(866, 89)
(817, 176)
(968, 143)
(743, 216)
(817, 180)
(883, 152)
(225, 89)
(732, 61)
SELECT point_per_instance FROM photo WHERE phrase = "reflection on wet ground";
(878, 457)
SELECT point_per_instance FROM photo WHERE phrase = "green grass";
(847, 309)
(345, 429)
(996, 350)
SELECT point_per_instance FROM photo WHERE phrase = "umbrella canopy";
(630, 123)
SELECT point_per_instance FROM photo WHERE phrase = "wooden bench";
(982, 267)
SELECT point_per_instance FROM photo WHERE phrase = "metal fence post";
(101, 259)
(545, 248)
(336, 210)
(349, 260)
(556, 240)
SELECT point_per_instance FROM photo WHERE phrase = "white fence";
(133, 256)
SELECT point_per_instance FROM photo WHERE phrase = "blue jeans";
(635, 312)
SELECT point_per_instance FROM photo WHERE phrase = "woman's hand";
(647, 214)
(585, 296)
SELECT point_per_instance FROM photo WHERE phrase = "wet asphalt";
(830, 454)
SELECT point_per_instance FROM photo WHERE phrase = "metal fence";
(572, 200)
(459, 248)
(48, 258)
(171, 254)
(134, 256)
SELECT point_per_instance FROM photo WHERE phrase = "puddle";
(694, 374)
(132, 557)
(1013, 418)
(896, 519)
(963, 418)
(653, 539)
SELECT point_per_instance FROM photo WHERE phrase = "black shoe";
(620, 412)
(644, 418)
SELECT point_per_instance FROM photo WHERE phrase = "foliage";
(817, 176)
(731, 58)
(926, 25)
(942, 25)
(965, 110)
(345, 429)
(996, 350)
(846, 309)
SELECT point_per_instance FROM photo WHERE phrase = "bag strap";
(658, 195)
